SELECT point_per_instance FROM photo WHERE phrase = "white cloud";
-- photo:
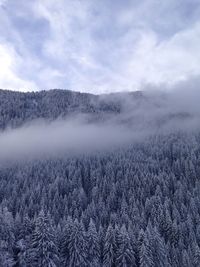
(99, 47)
(2, 2)
(9, 79)
(168, 61)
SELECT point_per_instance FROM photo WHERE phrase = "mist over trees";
(138, 205)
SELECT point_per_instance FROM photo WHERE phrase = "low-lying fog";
(153, 112)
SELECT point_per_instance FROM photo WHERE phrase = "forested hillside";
(137, 108)
(17, 108)
(137, 205)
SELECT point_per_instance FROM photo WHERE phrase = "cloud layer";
(98, 46)
(152, 113)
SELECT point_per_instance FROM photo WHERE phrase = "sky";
(98, 46)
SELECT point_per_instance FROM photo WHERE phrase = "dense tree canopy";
(138, 206)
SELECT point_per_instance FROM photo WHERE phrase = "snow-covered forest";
(137, 205)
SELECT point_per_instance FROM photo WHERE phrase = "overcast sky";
(98, 45)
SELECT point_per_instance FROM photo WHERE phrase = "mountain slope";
(137, 205)
(132, 108)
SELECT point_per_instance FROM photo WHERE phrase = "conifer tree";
(109, 248)
(93, 245)
(124, 254)
(197, 256)
(77, 246)
(64, 247)
(146, 255)
(43, 247)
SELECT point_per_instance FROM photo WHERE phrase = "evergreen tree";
(146, 255)
(185, 259)
(109, 248)
(124, 254)
(68, 228)
(77, 246)
(43, 248)
(21, 253)
(197, 256)
(6, 239)
(93, 245)
(159, 250)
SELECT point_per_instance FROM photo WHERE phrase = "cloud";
(42, 139)
(157, 62)
(9, 79)
(99, 46)
(153, 112)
